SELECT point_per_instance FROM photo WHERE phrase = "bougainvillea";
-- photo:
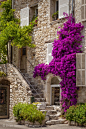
(64, 60)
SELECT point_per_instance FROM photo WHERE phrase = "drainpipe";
(72, 10)
(12, 4)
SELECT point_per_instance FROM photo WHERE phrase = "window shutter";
(80, 69)
(83, 10)
(49, 52)
(63, 7)
(24, 16)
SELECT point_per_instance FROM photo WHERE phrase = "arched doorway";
(52, 90)
(4, 98)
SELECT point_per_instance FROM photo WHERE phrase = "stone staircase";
(37, 91)
(53, 113)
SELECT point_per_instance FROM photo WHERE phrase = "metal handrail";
(25, 78)
(30, 63)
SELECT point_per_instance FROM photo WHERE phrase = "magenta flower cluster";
(63, 63)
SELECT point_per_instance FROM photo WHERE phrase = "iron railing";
(26, 79)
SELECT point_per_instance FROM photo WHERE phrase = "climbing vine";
(64, 61)
(10, 30)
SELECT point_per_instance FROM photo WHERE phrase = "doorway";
(55, 91)
(4, 101)
(55, 95)
(23, 59)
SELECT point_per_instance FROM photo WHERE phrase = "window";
(83, 10)
(57, 9)
(60, 6)
(49, 52)
(36, 12)
(33, 12)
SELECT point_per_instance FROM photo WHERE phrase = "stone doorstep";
(52, 122)
(55, 117)
(57, 108)
(49, 112)
(41, 107)
(39, 99)
(49, 108)
(38, 95)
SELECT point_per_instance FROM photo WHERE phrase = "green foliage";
(28, 112)
(54, 14)
(2, 74)
(7, 14)
(77, 113)
(12, 31)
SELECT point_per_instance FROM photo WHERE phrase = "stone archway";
(4, 98)
(51, 81)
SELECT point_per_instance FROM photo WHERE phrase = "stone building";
(19, 80)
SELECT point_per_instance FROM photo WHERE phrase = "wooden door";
(4, 101)
(55, 95)
(23, 60)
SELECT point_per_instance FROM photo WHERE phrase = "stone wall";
(46, 32)
(19, 89)
(82, 90)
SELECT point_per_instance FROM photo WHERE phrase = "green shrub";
(2, 74)
(28, 112)
(17, 109)
(77, 113)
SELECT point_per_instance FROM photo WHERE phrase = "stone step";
(53, 122)
(38, 95)
(35, 90)
(31, 82)
(26, 75)
(28, 78)
(35, 87)
(49, 108)
(47, 104)
(57, 108)
(49, 112)
(55, 117)
(40, 99)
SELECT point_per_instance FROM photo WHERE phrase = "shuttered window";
(49, 52)
(24, 16)
(83, 10)
(63, 7)
(80, 69)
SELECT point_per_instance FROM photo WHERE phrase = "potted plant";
(54, 15)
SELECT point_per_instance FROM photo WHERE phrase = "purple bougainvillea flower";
(63, 63)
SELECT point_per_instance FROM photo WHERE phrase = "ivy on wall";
(64, 61)
(10, 30)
